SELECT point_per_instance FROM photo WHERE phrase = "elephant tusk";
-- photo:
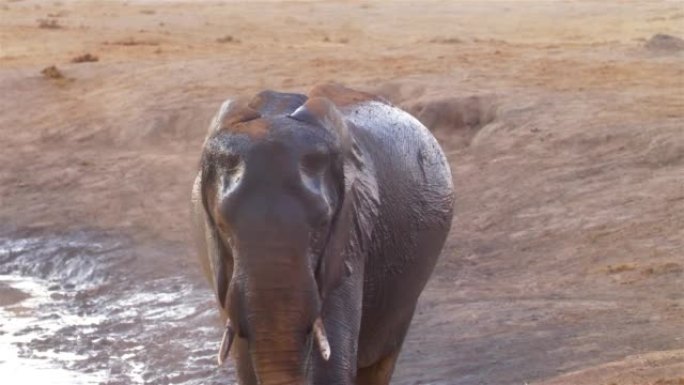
(226, 343)
(321, 338)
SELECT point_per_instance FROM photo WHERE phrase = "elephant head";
(278, 175)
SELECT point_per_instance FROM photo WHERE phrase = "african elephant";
(319, 220)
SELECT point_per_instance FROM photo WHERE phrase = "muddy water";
(88, 308)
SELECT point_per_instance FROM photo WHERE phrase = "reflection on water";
(22, 322)
(98, 311)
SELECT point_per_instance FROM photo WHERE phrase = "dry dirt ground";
(563, 122)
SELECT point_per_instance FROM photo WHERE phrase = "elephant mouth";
(318, 330)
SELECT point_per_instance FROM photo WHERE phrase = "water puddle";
(90, 309)
(26, 321)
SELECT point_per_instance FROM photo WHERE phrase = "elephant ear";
(232, 113)
(220, 257)
(351, 226)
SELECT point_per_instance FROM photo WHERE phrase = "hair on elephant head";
(278, 180)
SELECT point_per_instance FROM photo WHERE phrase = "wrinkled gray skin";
(332, 204)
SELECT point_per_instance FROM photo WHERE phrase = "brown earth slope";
(564, 127)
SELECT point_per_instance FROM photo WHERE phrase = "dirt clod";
(61, 13)
(48, 24)
(454, 113)
(616, 269)
(227, 39)
(52, 72)
(446, 40)
(665, 43)
(129, 42)
(85, 58)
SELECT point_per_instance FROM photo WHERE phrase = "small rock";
(446, 40)
(48, 24)
(52, 72)
(665, 43)
(227, 39)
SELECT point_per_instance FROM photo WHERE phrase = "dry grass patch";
(665, 268)
(621, 268)
(133, 42)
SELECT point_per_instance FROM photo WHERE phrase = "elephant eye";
(315, 162)
(230, 162)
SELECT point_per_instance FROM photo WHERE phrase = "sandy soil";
(563, 123)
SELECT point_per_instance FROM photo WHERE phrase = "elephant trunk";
(281, 306)
(279, 342)
(279, 359)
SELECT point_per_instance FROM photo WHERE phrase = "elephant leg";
(379, 373)
(342, 318)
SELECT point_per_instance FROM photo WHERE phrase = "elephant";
(319, 219)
